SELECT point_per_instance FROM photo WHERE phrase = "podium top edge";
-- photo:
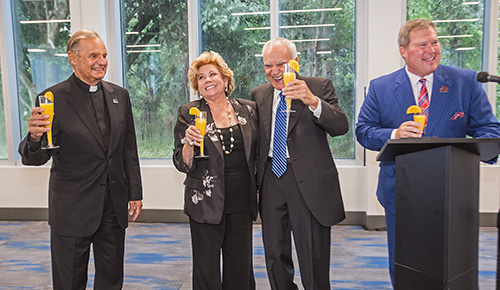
(394, 147)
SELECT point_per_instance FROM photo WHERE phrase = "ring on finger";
(191, 143)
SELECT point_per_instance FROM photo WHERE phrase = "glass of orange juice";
(420, 119)
(288, 76)
(47, 104)
(201, 123)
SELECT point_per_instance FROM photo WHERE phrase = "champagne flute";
(288, 76)
(47, 104)
(201, 123)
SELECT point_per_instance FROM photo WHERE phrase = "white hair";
(280, 41)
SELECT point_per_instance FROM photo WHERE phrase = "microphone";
(484, 77)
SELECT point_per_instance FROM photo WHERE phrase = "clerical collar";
(86, 87)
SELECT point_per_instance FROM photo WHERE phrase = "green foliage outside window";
(332, 56)
(40, 49)
(326, 51)
(459, 26)
(156, 59)
(156, 64)
(229, 29)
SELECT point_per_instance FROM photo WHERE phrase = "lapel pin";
(443, 89)
(115, 101)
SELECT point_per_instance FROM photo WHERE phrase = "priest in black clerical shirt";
(95, 180)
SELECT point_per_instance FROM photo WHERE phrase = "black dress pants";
(234, 237)
(70, 256)
(283, 212)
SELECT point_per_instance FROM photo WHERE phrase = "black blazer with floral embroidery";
(204, 184)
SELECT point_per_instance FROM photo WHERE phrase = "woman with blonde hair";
(220, 196)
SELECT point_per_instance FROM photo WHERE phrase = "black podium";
(437, 211)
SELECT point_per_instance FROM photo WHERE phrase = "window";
(460, 28)
(156, 64)
(323, 32)
(238, 36)
(42, 31)
(156, 58)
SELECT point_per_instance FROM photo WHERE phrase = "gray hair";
(280, 41)
(74, 41)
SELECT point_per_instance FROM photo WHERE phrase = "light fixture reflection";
(36, 50)
(143, 45)
(287, 11)
(455, 36)
(308, 26)
(45, 21)
(455, 20)
(140, 51)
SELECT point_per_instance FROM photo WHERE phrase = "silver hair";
(74, 41)
(280, 41)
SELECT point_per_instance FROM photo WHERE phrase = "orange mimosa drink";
(46, 102)
(48, 109)
(420, 119)
(201, 124)
(288, 77)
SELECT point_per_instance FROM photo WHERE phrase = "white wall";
(26, 187)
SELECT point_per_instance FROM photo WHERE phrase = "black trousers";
(283, 212)
(70, 256)
(234, 237)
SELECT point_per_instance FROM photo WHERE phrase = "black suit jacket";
(310, 155)
(83, 168)
(204, 184)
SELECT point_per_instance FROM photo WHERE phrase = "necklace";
(231, 136)
(231, 140)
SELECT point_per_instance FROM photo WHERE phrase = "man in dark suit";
(95, 175)
(455, 103)
(306, 198)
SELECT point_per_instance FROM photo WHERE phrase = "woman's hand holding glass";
(193, 136)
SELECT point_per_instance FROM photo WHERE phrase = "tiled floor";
(158, 256)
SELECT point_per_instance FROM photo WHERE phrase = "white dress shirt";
(276, 99)
(416, 86)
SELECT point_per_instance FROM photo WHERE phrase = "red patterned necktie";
(423, 100)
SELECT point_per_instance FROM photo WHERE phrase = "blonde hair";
(74, 41)
(210, 57)
(409, 26)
